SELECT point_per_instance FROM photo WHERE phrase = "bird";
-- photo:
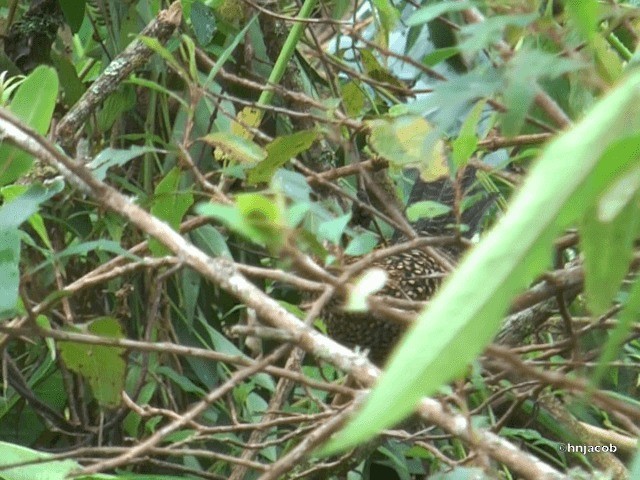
(412, 275)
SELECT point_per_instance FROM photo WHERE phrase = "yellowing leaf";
(248, 117)
(377, 71)
(237, 148)
(410, 141)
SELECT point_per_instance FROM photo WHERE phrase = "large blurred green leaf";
(33, 103)
(104, 367)
(463, 317)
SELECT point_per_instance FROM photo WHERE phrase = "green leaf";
(376, 71)
(237, 148)
(518, 98)
(524, 71)
(477, 36)
(432, 11)
(46, 469)
(387, 14)
(231, 217)
(73, 11)
(608, 63)
(116, 104)
(353, 99)
(361, 244)
(608, 232)
(426, 209)
(203, 21)
(462, 318)
(265, 215)
(584, 13)
(467, 141)
(279, 152)
(626, 320)
(113, 157)
(451, 99)
(333, 229)
(209, 240)
(254, 216)
(33, 103)
(17, 210)
(9, 270)
(292, 184)
(104, 367)
(169, 204)
(185, 384)
(434, 58)
(72, 86)
(166, 55)
(83, 248)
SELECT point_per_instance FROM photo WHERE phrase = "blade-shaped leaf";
(19, 209)
(607, 243)
(9, 270)
(33, 103)
(112, 157)
(170, 204)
